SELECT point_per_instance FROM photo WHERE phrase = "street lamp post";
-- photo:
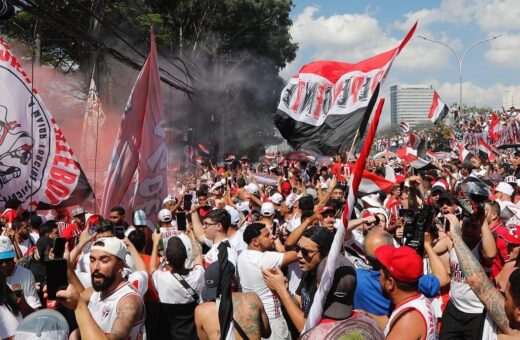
(459, 59)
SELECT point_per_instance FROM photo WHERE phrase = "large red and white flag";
(140, 145)
(487, 149)
(325, 106)
(315, 313)
(37, 164)
(438, 110)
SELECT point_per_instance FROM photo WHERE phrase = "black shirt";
(307, 290)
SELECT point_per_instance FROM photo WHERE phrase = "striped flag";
(203, 148)
(316, 310)
(371, 182)
(404, 127)
(492, 127)
(409, 155)
(438, 110)
(487, 149)
(464, 154)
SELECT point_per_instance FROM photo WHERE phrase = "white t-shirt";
(23, 279)
(212, 255)
(170, 290)
(8, 322)
(250, 264)
(167, 233)
(462, 296)
(237, 242)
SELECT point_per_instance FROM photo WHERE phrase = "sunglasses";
(305, 252)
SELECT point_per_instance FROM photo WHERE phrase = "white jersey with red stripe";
(104, 311)
(421, 304)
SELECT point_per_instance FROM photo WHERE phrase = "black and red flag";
(323, 107)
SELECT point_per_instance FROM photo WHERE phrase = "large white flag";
(37, 165)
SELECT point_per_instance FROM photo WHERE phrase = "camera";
(416, 223)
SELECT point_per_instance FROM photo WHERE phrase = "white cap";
(78, 211)
(139, 217)
(190, 259)
(312, 192)
(290, 200)
(235, 215)
(6, 248)
(252, 188)
(169, 198)
(505, 188)
(510, 179)
(111, 245)
(276, 198)
(243, 206)
(165, 215)
(267, 209)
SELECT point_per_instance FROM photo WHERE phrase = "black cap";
(340, 299)
(211, 281)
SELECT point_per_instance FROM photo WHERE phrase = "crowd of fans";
(235, 256)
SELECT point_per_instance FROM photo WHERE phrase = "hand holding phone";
(56, 273)
(59, 247)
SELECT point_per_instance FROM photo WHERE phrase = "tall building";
(511, 97)
(410, 103)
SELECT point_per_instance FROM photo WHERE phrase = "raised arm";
(477, 279)
(438, 268)
(138, 260)
(198, 227)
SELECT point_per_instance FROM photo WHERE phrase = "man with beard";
(313, 247)
(413, 316)
(259, 255)
(111, 309)
(23, 230)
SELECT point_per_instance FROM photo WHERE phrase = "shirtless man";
(249, 314)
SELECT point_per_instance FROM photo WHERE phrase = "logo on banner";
(36, 162)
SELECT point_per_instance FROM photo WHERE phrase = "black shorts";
(459, 325)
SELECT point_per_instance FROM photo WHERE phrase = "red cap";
(512, 235)
(286, 186)
(402, 263)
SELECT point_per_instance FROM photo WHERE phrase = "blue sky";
(352, 30)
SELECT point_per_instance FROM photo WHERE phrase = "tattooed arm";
(197, 249)
(476, 277)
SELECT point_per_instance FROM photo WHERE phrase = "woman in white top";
(10, 314)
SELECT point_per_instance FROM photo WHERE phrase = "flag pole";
(353, 144)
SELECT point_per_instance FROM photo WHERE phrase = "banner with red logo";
(37, 165)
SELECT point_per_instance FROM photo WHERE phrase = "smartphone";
(119, 231)
(187, 202)
(181, 221)
(56, 272)
(59, 247)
